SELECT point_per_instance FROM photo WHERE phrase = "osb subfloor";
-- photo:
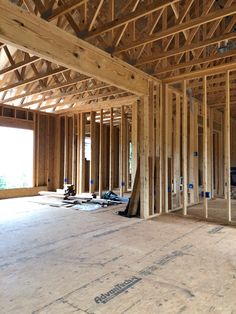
(217, 209)
(55, 260)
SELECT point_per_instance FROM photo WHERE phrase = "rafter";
(33, 79)
(185, 48)
(47, 89)
(95, 15)
(195, 62)
(130, 17)
(179, 28)
(199, 73)
(61, 10)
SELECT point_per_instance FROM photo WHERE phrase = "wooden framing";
(101, 156)
(205, 147)
(227, 145)
(184, 147)
(92, 181)
(178, 124)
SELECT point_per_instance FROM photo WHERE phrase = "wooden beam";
(33, 35)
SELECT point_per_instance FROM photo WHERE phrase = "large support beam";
(34, 35)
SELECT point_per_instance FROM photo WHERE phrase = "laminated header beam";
(29, 33)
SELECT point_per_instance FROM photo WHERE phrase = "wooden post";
(78, 155)
(210, 154)
(185, 147)
(57, 155)
(166, 187)
(69, 150)
(144, 158)
(73, 151)
(37, 128)
(151, 157)
(82, 152)
(122, 148)
(111, 159)
(92, 177)
(158, 141)
(66, 150)
(177, 149)
(101, 155)
(125, 154)
(205, 142)
(161, 154)
(134, 140)
(191, 141)
(227, 144)
(193, 152)
(47, 150)
(196, 158)
(221, 160)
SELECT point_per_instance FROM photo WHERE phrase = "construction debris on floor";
(85, 201)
